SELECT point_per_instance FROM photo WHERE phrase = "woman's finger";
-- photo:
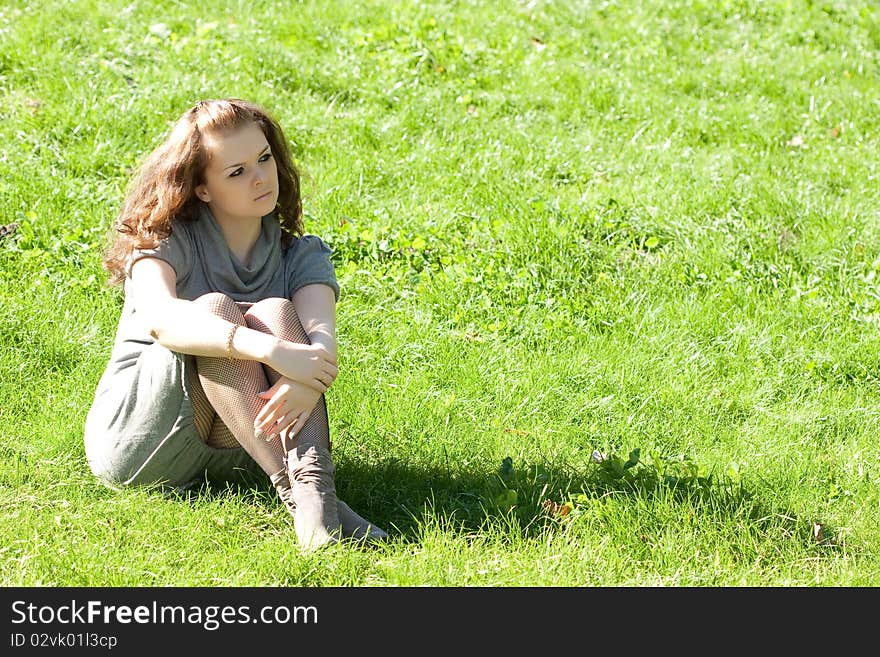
(300, 422)
(264, 414)
(296, 427)
(270, 413)
(272, 406)
(283, 421)
(268, 396)
(326, 356)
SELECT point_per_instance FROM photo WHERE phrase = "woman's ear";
(202, 193)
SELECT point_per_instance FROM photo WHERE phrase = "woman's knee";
(222, 305)
(271, 307)
(277, 316)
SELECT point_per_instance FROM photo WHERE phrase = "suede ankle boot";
(310, 470)
(357, 528)
(351, 524)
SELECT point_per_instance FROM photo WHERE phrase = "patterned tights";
(224, 391)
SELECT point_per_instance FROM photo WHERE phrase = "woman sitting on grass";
(227, 339)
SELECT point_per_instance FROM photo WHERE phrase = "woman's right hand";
(288, 406)
(311, 365)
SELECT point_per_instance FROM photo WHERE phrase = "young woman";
(227, 339)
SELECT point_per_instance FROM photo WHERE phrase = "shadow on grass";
(404, 498)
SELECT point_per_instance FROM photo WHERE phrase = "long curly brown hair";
(163, 189)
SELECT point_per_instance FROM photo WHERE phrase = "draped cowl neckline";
(229, 273)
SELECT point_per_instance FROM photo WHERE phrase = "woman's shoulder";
(307, 243)
(175, 248)
(308, 260)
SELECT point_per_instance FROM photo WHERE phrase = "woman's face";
(241, 177)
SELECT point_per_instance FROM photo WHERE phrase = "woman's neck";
(241, 235)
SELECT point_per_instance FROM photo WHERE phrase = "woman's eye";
(265, 157)
(235, 173)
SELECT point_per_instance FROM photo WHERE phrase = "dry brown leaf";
(554, 509)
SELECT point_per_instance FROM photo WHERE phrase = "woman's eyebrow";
(241, 164)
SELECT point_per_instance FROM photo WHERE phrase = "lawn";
(609, 270)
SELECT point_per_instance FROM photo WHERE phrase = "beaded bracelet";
(229, 340)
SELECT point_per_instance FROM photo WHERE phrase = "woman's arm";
(184, 326)
(315, 305)
(187, 327)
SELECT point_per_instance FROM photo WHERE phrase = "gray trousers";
(140, 429)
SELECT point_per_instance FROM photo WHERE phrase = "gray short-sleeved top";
(203, 262)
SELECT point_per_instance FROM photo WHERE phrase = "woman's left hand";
(288, 406)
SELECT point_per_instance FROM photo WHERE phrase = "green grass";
(648, 230)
